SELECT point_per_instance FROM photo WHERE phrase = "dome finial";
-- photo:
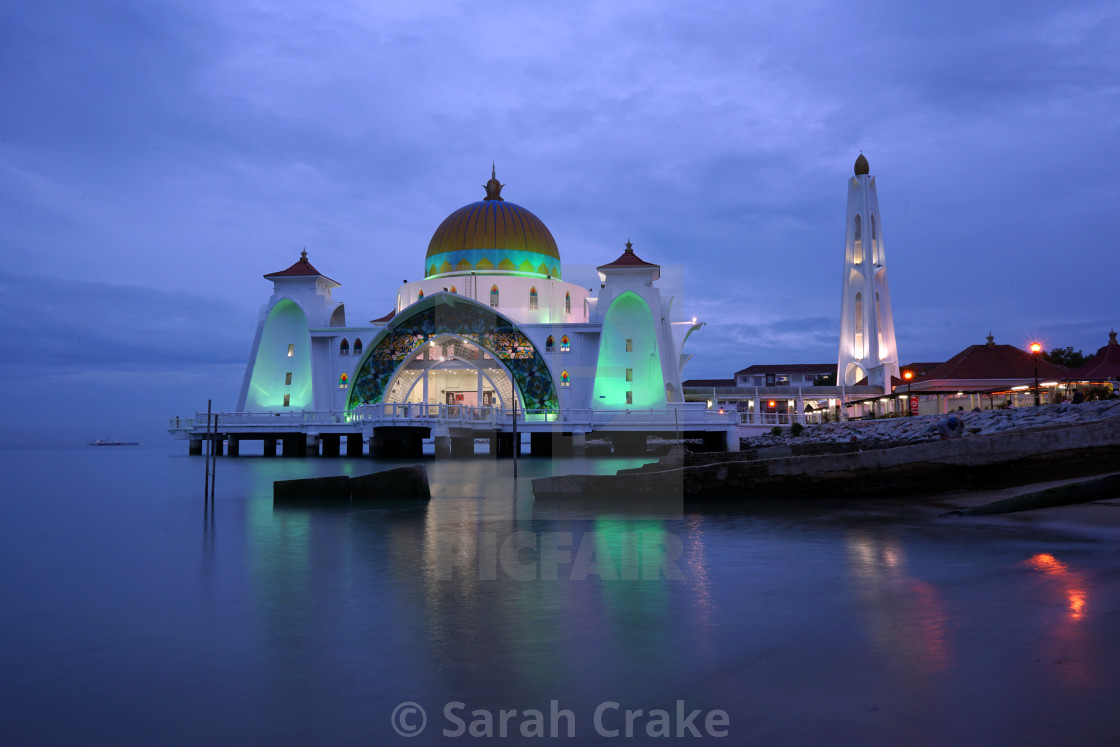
(629, 246)
(493, 187)
(303, 255)
(862, 166)
(991, 340)
(1112, 337)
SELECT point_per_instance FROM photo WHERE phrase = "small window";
(357, 347)
(858, 242)
(629, 398)
(565, 344)
(291, 349)
(344, 347)
(494, 296)
(567, 303)
(533, 302)
(342, 380)
(287, 400)
(288, 379)
(564, 378)
(629, 374)
(629, 345)
(549, 345)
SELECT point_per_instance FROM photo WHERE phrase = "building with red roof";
(1103, 366)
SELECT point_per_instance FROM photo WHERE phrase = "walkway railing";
(679, 416)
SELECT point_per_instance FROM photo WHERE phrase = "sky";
(157, 157)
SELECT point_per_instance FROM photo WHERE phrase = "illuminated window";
(287, 400)
(879, 325)
(629, 345)
(357, 346)
(453, 290)
(288, 379)
(342, 380)
(533, 297)
(565, 344)
(567, 303)
(629, 398)
(494, 296)
(344, 347)
(291, 349)
(549, 344)
(859, 325)
(629, 374)
(858, 241)
(564, 378)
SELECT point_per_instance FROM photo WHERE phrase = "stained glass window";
(344, 347)
(533, 297)
(549, 345)
(565, 344)
(567, 303)
(564, 378)
(342, 380)
(357, 346)
(494, 296)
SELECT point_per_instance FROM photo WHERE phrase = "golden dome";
(862, 167)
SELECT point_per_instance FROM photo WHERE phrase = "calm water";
(132, 615)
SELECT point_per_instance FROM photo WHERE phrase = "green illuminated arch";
(451, 314)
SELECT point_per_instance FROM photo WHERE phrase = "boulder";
(402, 483)
(312, 490)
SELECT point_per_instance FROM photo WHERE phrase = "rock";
(402, 483)
(312, 490)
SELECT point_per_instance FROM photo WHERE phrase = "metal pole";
(1037, 399)
(206, 485)
(214, 453)
(516, 437)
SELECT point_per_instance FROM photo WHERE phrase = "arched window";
(549, 345)
(420, 296)
(874, 242)
(879, 326)
(494, 296)
(565, 344)
(859, 326)
(453, 289)
(858, 242)
(357, 346)
(567, 303)
(344, 347)
(533, 297)
(342, 380)
(564, 378)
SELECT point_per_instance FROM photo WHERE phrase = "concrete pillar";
(219, 442)
(194, 448)
(732, 441)
(505, 444)
(579, 444)
(234, 445)
(494, 444)
(353, 444)
(443, 447)
(540, 444)
(311, 445)
(941, 403)
(270, 446)
(462, 446)
(294, 445)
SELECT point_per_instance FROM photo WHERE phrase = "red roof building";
(1104, 366)
(987, 368)
(302, 268)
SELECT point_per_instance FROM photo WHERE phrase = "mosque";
(490, 343)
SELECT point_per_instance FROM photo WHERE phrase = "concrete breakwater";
(399, 484)
(999, 459)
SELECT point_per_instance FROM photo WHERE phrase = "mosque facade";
(492, 328)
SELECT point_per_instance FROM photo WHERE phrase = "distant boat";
(116, 442)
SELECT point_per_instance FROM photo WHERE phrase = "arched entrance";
(452, 371)
(446, 317)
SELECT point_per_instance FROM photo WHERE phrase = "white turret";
(867, 344)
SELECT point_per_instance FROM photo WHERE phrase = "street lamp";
(908, 375)
(1036, 349)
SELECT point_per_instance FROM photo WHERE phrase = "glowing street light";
(1036, 350)
(908, 375)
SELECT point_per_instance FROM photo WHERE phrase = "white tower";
(867, 344)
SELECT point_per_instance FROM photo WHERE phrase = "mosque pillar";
(443, 447)
(194, 447)
(540, 444)
(270, 446)
(311, 444)
(579, 444)
(234, 446)
(331, 444)
(732, 439)
(462, 446)
(353, 444)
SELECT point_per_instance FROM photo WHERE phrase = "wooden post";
(206, 485)
(214, 455)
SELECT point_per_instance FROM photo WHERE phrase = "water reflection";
(1067, 643)
(905, 616)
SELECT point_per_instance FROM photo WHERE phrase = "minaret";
(867, 344)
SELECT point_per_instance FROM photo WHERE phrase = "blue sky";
(158, 157)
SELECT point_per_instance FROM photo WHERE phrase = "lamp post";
(1036, 350)
(908, 375)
